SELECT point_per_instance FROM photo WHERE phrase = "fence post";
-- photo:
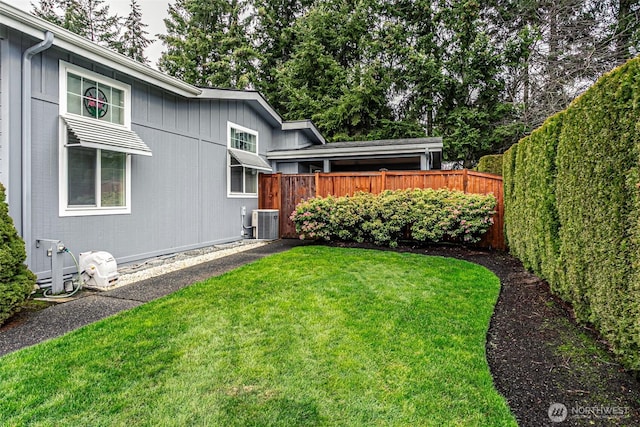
(383, 177)
(317, 177)
(465, 180)
(279, 187)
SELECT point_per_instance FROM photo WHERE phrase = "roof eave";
(306, 126)
(353, 151)
(260, 104)
(253, 98)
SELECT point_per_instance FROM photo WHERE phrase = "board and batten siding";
(290, 141)
(178, 196)
(12, 45)
(4, 165)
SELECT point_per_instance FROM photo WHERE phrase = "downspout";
(26, 137)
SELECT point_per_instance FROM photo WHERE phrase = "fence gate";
(284, 192)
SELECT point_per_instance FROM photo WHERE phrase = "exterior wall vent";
(266, 223)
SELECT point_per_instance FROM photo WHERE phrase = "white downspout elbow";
(26, 138)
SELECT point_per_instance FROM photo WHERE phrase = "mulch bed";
(540, 357)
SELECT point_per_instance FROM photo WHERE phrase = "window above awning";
(97, 134)
(250, 160)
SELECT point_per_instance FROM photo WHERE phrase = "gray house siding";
(178, 196)
(292, 140)
(287, 167)
(4, 161)
(10, 71)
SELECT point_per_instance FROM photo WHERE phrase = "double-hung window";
(244, 163)
(96, 143)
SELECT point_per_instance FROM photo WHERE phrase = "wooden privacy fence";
(284, 192)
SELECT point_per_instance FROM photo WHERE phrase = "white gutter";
(26, 137)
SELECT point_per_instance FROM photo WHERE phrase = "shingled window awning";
(250, 160)
(106, 136)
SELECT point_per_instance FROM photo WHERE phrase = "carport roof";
(406, 146)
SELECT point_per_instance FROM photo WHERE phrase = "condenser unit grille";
(266, 223)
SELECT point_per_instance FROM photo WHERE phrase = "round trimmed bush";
(491, 163)
(423, 215)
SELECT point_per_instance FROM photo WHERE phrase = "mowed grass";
(313, 336)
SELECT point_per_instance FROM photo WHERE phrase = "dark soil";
(24, 314)
(539, 356)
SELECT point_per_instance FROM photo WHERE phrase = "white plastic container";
(99, 269)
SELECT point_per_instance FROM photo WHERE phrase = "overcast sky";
(153, 12)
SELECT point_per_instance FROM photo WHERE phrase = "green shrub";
(491, 163)
(572, 207)
(423, 215)
(16, 281)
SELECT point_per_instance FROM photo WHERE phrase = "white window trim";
(230, 194)
(64, 209)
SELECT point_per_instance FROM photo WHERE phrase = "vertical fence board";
(284, 192)
(295, 188)
(341, 184)
(269, 191)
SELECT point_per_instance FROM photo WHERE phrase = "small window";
(243, 161)
(242, 140)
(89, 98)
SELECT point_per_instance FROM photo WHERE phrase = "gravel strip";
(167, 264)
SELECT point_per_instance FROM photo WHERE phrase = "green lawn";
(313, 336)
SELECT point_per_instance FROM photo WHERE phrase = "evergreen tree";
(412, 45)
(16, 281)
(273, 38)
(311, 80)
(339, 78)
(48, 10)
(557, 49)
(626, 29)
(207, 44)
(91, 19)
(88, 18)
(472, 116)
(134, 39)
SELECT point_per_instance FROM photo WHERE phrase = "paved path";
(92, 306)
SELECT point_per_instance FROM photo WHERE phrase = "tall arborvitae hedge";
(572, 207)
(16, 281)
(532, 226)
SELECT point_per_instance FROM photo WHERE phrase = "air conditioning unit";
(99, 269)
(266, 223)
